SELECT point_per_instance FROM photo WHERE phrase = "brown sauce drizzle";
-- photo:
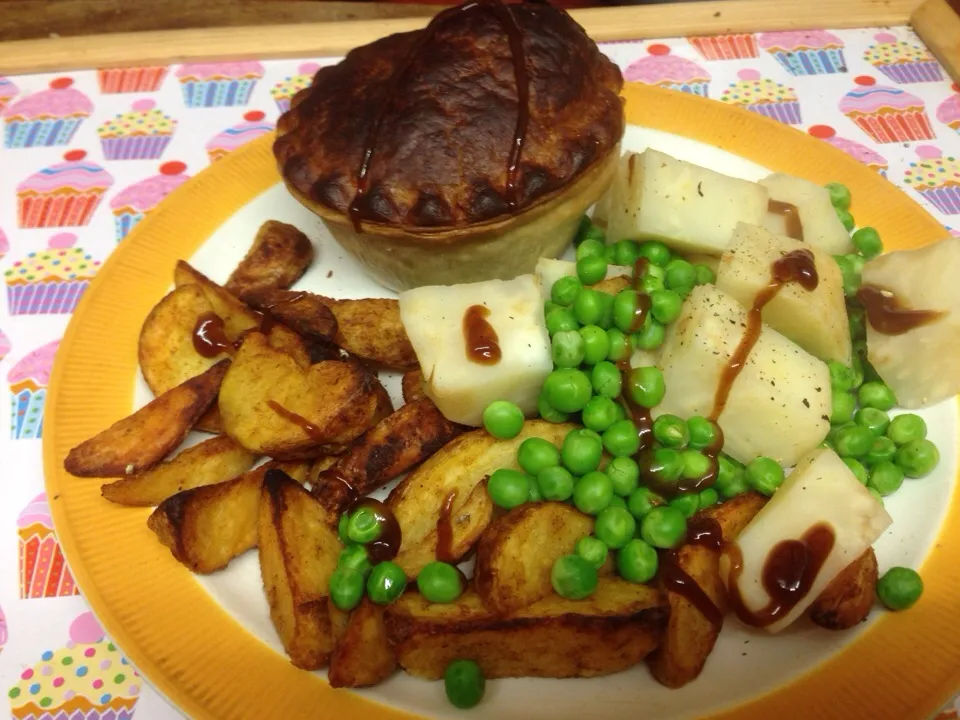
(797, 266)
(887, 314)
(480, 337)
(705, 531)
(334, 486)
(640, 312)
(387, 545)
(789, 572)
(675, 579)
(514, 34)
(309, 428)
(209, 337)
(790, 215)
(445, 529)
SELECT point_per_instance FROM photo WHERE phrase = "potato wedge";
(285, 339)
(206, 527)
(326, 404)
(517, 552)
(141, 440)
(303, 312)
(298, 553)
(209, 462)
(462, 467)
(608, 632)
(237, 318)
(364, 655)
(613, 285)
(736, 513)
(278, 257)
(412, 384)
(371, 329)
(848, 599)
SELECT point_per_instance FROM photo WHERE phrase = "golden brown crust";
(442, 148)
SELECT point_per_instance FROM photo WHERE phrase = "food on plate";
(140, 441)
(816, 319)
(206, 527)
(279, 256)
(477, 343)
(298, 554)
(612, 630)
(305, 313)
(212, 461)
(363, 655)
(235, 318)
(690, 208)
(549, 270)
(370, 145)
(517, 551)
(849, 597)
(371, 329)
(412, 385)
(803, 210)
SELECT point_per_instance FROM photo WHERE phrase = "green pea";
(534, 496)
(621, 439)
(592, 493)
(600, 413)
(665, 306)
(883, 448)
(508, 488)
(867, 242)
(679, 274)
(650, 336)
(918, 458)
(624, 474)
(843, 407)
(615, 527)
(606, 379)
(663, 527)
(596, 344)
(857, 468)
(643, 500)
(665, 465)
(708, 497)
(656, 252)
(839, 195)
(565, 290)
(549, 306)
(503, 419)
(591, 247)
(670, 431)
(617, 501)
(876, 395)
(610, 255)
(856, 319)
(606, 310)
(440, 582)
(536, 454)
(764, 475)
(731, 478)
(625, 309)
(626, 252)
(851, 278)
(548, 412)
(464, 683)
(858, 365)
(705, 276)
(591, 269)
(885, 477)
(593, 550)
(841, 377)
(581, 452)
(343, 527)
(567, 390)
(619, 345)
(876, 421)
(646, 386)
(355, 557)
(687, 503)
(703, 432)
(364, 526)
(346, 588)
(906, 428)
(650, 284)
(696, 465)
(560, 320)
(555, 483)
(853, 441)
(849, 223)
(567, 349)
(637, 562)
(589, 306)
(386, 583)
(899, 588)
(573, 577)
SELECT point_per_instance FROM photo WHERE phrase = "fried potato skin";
(735, 514)
(610, 631)
(412, 384)
(298, 554)
(371, 330)
(206, 527)
(138, 442)
(461, 466)
(237, 318)
(613, 285)
(847, 600)
(278, 257)
(516, 553)
(303, 312)
(207, 463)
(363, 655)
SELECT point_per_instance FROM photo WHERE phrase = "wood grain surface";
(937, 22)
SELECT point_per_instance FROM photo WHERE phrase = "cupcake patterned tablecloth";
(87, 155)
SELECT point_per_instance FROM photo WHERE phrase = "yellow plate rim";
(172, 631)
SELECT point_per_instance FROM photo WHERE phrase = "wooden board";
(319, 39)
(937, 22)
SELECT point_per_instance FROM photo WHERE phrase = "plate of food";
(492, 381)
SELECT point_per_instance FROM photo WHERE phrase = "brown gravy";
(790, 215)
(481, 339)
(887, 314)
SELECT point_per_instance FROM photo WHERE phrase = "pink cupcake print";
(47, 118)
(871, 158)
(901, 61)
(43, 569)
(253, 126)
(8, 91)
(886, 114)
(28, 381)
(50, 281)
(4, 244)
(733, 46)
(141, 134)
(936, 178)
(221, 84)
(62, 195)
(284, 90)
(88, 679)
(4, 636)
(805, 52)
(5, 345)
(763, 96)
(955, 232)
(131, 204)
(131, 79)
(948, 112)
(661, 68)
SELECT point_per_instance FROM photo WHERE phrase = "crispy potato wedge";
(326, 404)
(279, 256)
(303, 312)
(298, 553)
(237, 318)
(412, 384)
(517, 552)
(207, 463)
(285, 339)
(608, 632)
(462, 466)
(847, 601)
(371, 330)
(735, 514)
(206, 527)
(613, 285)
(364, 655)
(143, 439)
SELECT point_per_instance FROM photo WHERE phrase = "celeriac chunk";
(433, 317)
(821, 226)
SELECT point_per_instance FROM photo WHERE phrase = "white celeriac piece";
(820, 490)
(462, 389)
(690, 208)
(821, 226)
(548, 271)
(814, 319)
(779, 405)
